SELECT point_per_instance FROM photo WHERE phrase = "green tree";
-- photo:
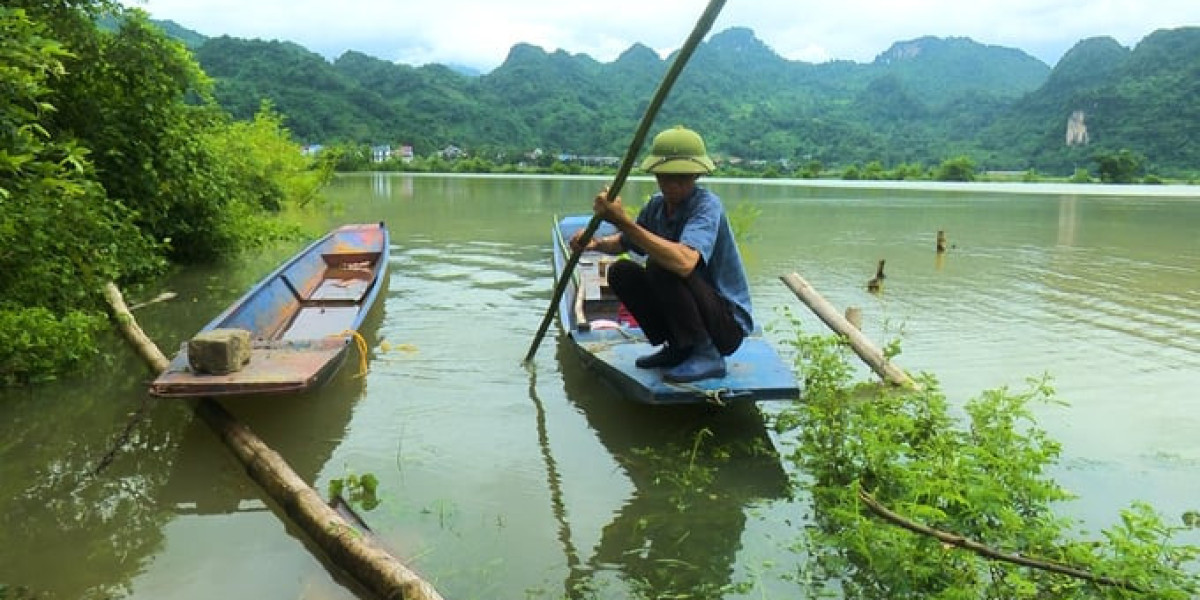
(112, 157)
(1119, 167)
(874, 171)
(908, 172)
(59, 237)
(810, 170)
(127, 97)
(1081, 175)
(959, 168)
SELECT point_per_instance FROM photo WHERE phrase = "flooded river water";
(504, 480)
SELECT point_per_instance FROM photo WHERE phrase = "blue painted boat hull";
(610, 344)
(302, 318)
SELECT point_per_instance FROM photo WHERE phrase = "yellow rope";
(713, 396)
(361, 343)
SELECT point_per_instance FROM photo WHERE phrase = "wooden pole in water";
(861, 345)
(854, 317)
(356, 553)
(941, 241)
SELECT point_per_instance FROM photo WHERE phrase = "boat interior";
(596, 305)
(330, 301)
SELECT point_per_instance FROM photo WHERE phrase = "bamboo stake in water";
(660, 95)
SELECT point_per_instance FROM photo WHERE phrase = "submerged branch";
(958, 541)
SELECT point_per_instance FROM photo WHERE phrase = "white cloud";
(479, 33)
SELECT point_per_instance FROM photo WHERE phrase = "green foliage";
(960, 168)
(742, 217)
(35, 343)
(922, 102)
(159, 164)
(909, 172)
(811, 170)
(1081, 176)
(59, 238)
(359, 490)
(112, 159)
(683, 482)
(8, 592)
(1119, 167)
(194, 180)
(267, 172)
(985, 480)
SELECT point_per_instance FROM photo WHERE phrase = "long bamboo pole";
(660, 95)
(359, 555)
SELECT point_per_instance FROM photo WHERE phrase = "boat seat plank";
(338, 289)
(343, 259)
(313, 322)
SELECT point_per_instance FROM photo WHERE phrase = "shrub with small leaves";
(984, 481)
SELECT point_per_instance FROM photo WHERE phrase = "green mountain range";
(922, 101)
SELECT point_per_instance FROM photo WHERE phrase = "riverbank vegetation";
(909, 494)
(115, 163)
(924, 101)
(912, 502)
(1121, 167)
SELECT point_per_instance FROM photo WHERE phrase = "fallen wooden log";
(861, 345)
(359, 555)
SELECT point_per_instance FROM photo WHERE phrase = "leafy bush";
(59, 236)
(35, 344)
(960, 168)
(984, 481)
(107, 167)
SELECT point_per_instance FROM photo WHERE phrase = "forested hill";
(921, 101)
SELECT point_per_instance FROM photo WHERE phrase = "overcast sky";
(479, 33)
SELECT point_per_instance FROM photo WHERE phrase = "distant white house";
(381, 153)
(452, 152)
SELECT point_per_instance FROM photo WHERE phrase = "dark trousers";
(682, 311)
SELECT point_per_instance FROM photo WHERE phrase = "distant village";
(385, 153)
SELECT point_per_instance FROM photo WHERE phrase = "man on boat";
(691, 297)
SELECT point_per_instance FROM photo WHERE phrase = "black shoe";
(668, 356)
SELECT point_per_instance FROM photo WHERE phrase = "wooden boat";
(301, 319)
(610, 341)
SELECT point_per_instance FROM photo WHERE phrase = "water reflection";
(66, 532)
(69, 531)
(1068, 219)
(1101, 291)
(695, 470)
(304, 429)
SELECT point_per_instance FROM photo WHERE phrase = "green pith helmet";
(678, 150)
